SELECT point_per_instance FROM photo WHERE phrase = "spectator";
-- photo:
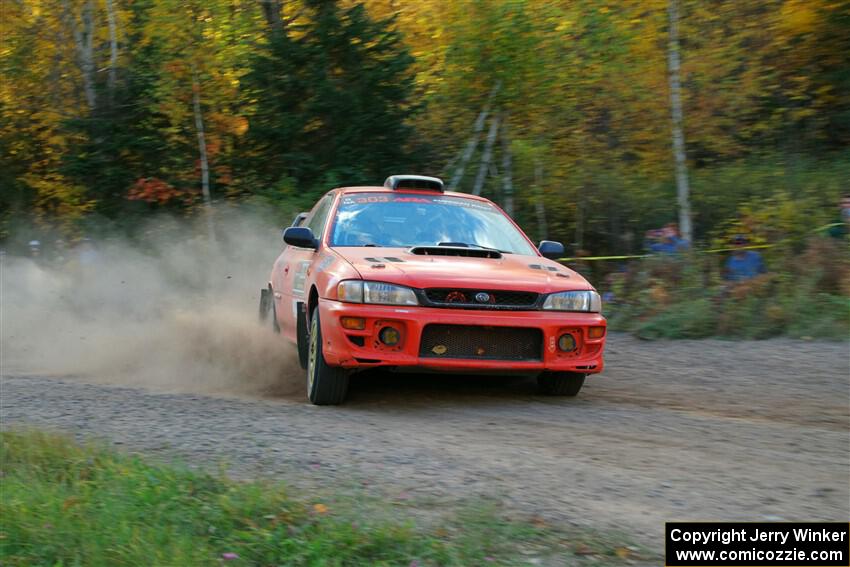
(614, 283)
(652, 238)
(667, 240)
(743, 264)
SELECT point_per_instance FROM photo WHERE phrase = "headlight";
(358, 291)
(574, 301)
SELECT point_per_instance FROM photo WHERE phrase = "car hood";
(510, 272)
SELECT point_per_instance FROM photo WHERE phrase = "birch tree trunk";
(202, 151)
(682, 189)
(113, 48)
(473, 142)
(507, 171)
(84, 44)
(486, 156)
(494, 174)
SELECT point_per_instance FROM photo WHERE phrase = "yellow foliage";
(58, 202)
(799, 16)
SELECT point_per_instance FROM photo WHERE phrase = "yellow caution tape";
(713, 251)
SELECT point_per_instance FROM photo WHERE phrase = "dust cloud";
(171, 311)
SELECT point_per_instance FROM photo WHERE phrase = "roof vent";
(414, 182)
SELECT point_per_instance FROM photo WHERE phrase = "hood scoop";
(455, 251)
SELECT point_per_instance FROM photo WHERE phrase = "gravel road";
(686, 430)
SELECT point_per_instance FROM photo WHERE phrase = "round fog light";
(389, 336)
(567, 343)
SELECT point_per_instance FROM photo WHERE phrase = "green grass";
(62, 504)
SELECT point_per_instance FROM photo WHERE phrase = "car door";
(280, 268)
(294, 267)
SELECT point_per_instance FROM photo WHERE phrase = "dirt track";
(701, 430)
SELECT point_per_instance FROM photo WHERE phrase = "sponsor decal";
(367, 199)
(300, 278)
(324, 263)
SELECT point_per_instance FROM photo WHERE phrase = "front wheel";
(326, 385)
(560, 383)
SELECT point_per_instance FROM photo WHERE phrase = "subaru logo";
(482, 297)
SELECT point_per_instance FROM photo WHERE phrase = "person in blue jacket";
(667, 240)
(743, 264)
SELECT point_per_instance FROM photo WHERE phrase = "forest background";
(113, 111)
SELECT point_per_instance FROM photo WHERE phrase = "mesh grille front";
(482, 343)
(466, 297)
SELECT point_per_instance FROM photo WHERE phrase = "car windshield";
(405, 219)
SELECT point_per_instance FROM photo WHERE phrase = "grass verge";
(64, 504)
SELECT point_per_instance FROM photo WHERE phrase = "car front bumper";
(363, 348)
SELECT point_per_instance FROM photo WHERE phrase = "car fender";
(327, 270)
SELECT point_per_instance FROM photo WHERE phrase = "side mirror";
(550, 249)
(301, 237)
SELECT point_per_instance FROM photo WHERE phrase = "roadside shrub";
(802, 295)
(690, 320)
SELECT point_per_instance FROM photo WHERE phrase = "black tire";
(302, 336)
(326, 385)
(560, 383)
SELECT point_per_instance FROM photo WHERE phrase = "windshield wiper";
(471, 245)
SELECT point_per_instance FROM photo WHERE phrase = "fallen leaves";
(623, 552)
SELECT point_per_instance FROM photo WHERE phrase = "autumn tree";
(557, 109)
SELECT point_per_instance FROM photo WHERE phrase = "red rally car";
(410, 276)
